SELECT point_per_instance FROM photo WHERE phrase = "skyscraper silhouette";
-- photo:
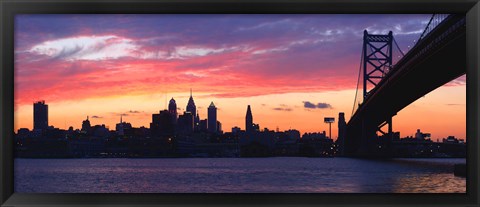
(86, 125)
(123, 127)
(191, 105)
(193, 109)
(172, 108)
(196, 122)
(342, 130)
(212, 118)
(341, 124)
(249, 120)
(40, 115)
(162, 124)
(185, 123)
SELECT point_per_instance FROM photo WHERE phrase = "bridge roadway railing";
(432, 24)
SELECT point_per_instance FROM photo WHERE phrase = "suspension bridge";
(437, 57)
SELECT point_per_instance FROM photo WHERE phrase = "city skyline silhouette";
(292, 80)
(130, 103)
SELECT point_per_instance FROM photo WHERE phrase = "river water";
(237, 175)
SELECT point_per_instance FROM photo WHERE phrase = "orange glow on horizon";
(433, 113)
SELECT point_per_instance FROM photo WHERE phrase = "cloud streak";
(282, 107)
(86, 48)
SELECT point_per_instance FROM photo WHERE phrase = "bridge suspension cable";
(399, 49)
(358, 81)
(434, 21)
(387, 68)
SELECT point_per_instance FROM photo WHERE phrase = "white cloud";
(266, 24)
(184, 52)
(114, 47)
(87, 48)
(271, 50)
(328, 32)
(292, 44)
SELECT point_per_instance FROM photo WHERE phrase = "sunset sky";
(293, 70)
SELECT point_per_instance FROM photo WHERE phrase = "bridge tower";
(377, 59)
(377, 62)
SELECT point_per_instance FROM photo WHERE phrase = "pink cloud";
(274, 55)
(56, 74)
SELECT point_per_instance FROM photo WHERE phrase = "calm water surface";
(232, 175)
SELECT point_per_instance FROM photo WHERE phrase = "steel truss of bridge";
(437, 58)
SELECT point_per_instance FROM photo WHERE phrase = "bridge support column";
(368, 139)
(390, 127)
(390, 131)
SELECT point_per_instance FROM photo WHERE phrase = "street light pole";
(329, 120)
(330, 130)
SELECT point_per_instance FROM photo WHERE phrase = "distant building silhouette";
(256, 127)
(155, 125)
(342, 130)
(122, 127)
(212, 118)
(196, 122)
(219, 127)
(193, 109)
(249, 120)
(172, 108)
(236, 130)
(185, 124)
(422, 136)
(99, 131)
(40, 115)
(86, 126)
(23, 132)
(202, 125)
(162, 124)
(315, 136)
(191, 105)
(292, 134)
(452, 139)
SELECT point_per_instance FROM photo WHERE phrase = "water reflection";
(235, 175)
(430, 183)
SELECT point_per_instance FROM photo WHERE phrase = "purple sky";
(298, 52)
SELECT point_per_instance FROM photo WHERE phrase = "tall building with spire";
(122, 127)
(212, 118)
(249, 120)
(193, 110)
(172, 108)
(191, 105)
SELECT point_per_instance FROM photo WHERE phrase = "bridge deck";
(439, 58)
